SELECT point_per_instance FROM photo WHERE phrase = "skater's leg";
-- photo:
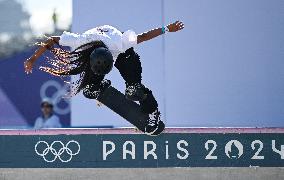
(93, 90)
(129, 66)
(149, 105)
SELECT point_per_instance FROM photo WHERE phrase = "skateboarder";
(92, 57)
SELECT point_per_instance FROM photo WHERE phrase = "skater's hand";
(176, 26)
(28, 65)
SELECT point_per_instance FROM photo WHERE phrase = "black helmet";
(101, 61)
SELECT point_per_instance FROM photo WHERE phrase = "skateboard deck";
(129, 110)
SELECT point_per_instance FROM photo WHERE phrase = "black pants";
(130, 68)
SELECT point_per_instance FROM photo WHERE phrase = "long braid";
(65, 63)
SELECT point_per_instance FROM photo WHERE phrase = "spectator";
(48, 119)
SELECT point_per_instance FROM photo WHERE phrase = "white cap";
(46, 100)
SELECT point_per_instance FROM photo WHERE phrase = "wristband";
(163, 30)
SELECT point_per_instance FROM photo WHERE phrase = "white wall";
(224, 69)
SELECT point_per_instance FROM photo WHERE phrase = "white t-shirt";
(52, 122)
(116, 41)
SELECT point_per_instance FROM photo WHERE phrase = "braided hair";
(77, 62)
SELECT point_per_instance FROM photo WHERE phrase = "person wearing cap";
(47, 119)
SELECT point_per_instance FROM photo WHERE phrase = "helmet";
(101, 61)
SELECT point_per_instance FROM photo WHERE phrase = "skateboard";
(129, 110)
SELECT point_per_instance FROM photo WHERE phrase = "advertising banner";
(137, 150)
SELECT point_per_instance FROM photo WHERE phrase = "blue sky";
(41, 13)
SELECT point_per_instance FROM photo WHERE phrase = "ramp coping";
(76, 131)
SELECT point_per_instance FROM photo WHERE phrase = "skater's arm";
(174, 27)
(45, 45)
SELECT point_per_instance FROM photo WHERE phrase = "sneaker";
(92, 91)
(135, 92)
(161, 128)
(153, 122)
(105, 84)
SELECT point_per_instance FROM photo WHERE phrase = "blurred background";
(22, 24)
(225, 69)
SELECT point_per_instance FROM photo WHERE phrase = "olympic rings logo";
(50, 150)
(56, 97)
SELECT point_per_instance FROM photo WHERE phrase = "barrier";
(125, 148)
